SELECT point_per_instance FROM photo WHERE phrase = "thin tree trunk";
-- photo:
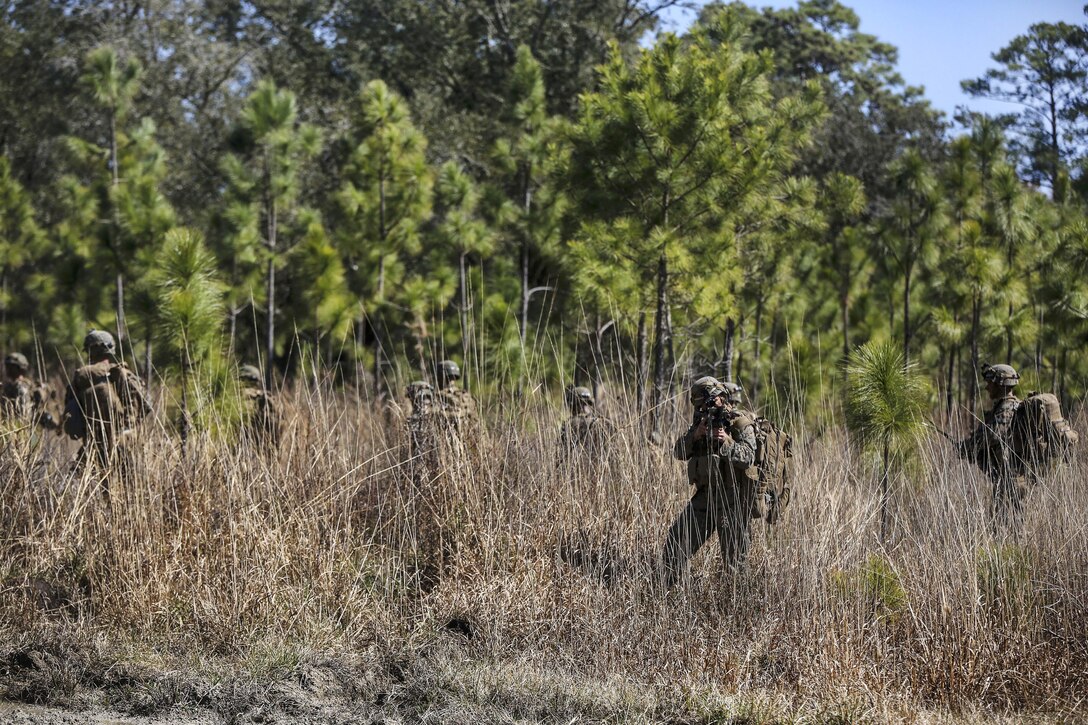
(466, 333)
(757, 360)
(270, 333)
(526, 207)
(376, 320)
(844, 309)
(727, 354)
(948, 393)
(147, 359)
(906, 315)
(642, 363)
(885, 494)
(972, 380)
(661, 341)
(738, 347)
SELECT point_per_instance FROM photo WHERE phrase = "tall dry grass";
(339, 543)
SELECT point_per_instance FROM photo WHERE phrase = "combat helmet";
(419, 394)
(733, 393)
(578, 397)
(98, 343)
(448, 371)
(17, 360)
(1004, 375)
(250, 375)
(705, 389)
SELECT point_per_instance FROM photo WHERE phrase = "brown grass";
(219, 577)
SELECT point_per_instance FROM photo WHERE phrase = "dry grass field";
(334, 580)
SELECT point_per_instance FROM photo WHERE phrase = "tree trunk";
(270, 332)
(948, 396)
(757, 360)
(466, 333)
(885, 494)
(147, 358)
(906, 315)
(972, 377)
(661, 340)
(844, 311)
(376, 317)
(642, 363)
(727, 353)
(526, 207)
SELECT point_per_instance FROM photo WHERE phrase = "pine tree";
(271, 149)
(113, 84)
(189, 305)
(523, 157)
(912, 227)
(385, 197)
(462, 230)
(885, 409)
(21, 239)
(671, 154)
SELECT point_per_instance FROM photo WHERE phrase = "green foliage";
(189, 297)
(1005, 579)
(1044, 72)
(678, 156)
(877, 584)
(886, 399)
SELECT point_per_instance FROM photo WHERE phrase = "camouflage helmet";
(1003, 375)
(733, 393)
(578, 397)
(250, 374)
(98, 340)
(705, 389)
(419, 394)
(16, 360)
(448, 371)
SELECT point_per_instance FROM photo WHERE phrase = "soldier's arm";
(133, 396)
(743, 448)
(685, 445)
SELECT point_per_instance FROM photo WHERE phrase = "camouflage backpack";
(92, 398)
(774, 448)
(1039, 434)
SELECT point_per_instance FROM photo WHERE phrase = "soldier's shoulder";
(744, 419)
(91, 372)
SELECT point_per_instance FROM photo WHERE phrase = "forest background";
(534, 189)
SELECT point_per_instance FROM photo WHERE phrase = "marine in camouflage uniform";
(21, 399)
(989, 445)
(453, 403)
(420, 422)
(261, 419)
(584, 430)
(103, 401)
(719, 446)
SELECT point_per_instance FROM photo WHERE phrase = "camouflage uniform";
(724, 495)
(261, 419)
(584, 430)
(103, 400)
(988, 446)
(454, 404)
(420, 422)
(15, 401)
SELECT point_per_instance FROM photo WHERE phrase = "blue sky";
(942, 43)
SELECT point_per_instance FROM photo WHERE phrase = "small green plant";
(875, 582)
(885, 408)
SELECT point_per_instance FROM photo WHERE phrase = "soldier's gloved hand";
(722, 436)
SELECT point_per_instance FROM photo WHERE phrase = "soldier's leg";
(734, 537)
(1008, 503)
(688, 533)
